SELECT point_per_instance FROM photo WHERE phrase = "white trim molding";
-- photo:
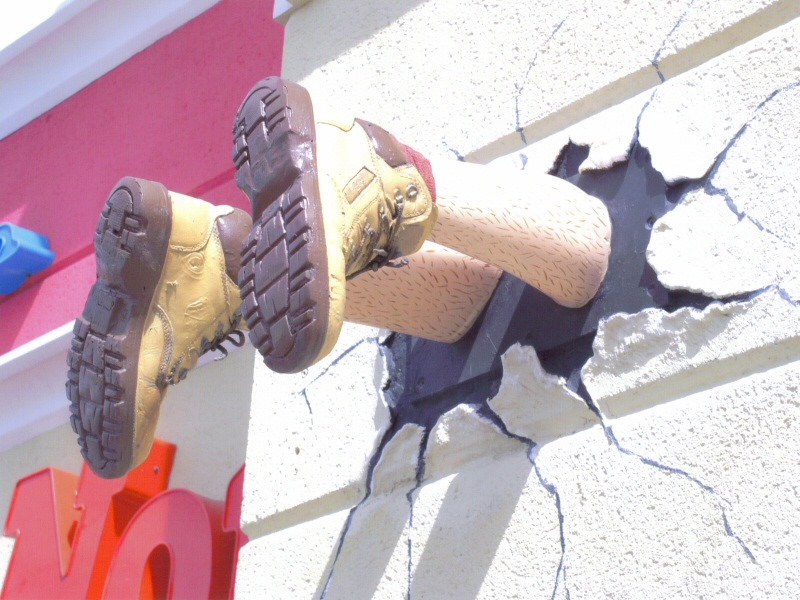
(81, 41)
(32, 380)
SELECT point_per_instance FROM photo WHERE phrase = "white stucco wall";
(680, 480)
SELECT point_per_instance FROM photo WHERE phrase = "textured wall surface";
(652, 452)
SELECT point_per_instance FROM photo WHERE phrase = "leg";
(333, 197)
(539, 228)
(437, 296)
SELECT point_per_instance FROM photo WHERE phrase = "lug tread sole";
(132, 233)
(284, 279)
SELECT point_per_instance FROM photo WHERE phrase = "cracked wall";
(644, 446)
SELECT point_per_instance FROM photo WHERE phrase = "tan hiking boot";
(330, 200)
(165, 294)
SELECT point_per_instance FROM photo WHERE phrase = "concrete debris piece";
(692, 118)
(622, 516)
(397, 466)
(703, 247)
(461, 436)
(490, 531)
(700, 247)
(291, 563)
(609, 134)
(534, 404)
(653, 356)
(329, 419)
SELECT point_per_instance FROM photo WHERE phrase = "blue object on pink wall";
(22, 253)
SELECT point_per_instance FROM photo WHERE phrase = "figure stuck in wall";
(347, 224)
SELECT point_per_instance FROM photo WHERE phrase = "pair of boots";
(177, 276)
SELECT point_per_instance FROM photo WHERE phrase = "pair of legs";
(336, 204)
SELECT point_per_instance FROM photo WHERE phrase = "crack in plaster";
(333, 363)
(308, 404)
(373, 460)
(372, 464)
(639, 118)
(712, 190)
(520, 87)
(488, 413)
(663, 46)
(419, 476)
(452, 150)
(394, 427)
(661, 466)
(561, 573)
(723, 502)
(730, 533)
(782, 294)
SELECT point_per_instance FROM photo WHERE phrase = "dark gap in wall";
(569, 160)
(437, 377)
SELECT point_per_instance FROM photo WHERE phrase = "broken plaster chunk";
(609, 134)
(397, 465)
(693, 117)
(653, 356)
(535, 404)
(460, 437)
(740, 232)
(703, 247)
(328, 419)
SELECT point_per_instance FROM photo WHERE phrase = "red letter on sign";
(180, 545)
(122, 538)
(65, 537)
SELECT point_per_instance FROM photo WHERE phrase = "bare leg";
(544, 230)
(437, 296)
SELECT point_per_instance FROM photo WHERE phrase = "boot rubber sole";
(131, 242)
(284, 278)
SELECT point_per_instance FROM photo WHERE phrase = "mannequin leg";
(437, 296)
(544, 230)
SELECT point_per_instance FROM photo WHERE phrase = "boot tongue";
(422, 165)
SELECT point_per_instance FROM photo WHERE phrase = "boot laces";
(235, 338)
(388, 227)
(232, 335)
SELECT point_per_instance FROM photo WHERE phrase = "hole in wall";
(469, 371)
